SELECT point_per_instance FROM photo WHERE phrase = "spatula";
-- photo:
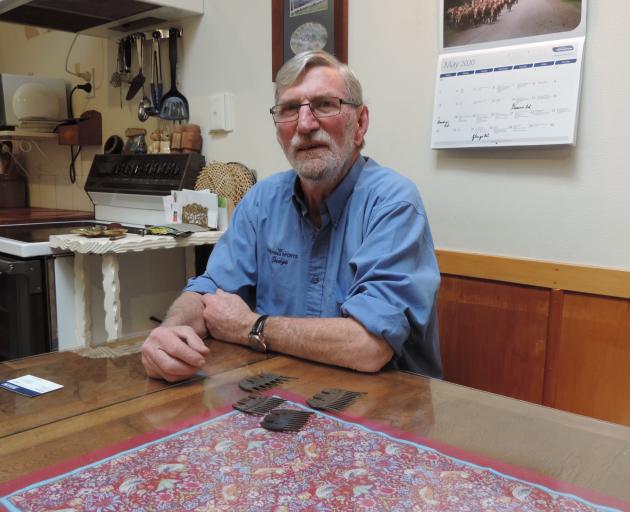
(137, 81)
(174, 106)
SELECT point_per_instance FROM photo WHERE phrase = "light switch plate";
(222, 112)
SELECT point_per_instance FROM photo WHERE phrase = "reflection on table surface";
(588, 453)
(92, 382)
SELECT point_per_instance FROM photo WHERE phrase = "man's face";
(319, 149)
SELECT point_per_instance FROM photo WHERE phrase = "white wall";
(570, 204)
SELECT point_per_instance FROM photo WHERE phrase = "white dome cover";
(34, 101)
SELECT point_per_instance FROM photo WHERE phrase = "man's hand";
(228, 317)
(173, 353)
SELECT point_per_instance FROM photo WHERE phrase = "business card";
(29, 385)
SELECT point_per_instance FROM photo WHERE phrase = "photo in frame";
(300, 25)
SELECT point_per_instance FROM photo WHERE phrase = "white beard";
(318, 164)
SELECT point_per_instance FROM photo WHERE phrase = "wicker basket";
(231, 180)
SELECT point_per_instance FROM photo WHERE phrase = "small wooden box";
(85, 131)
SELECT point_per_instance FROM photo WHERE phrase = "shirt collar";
(336, 202)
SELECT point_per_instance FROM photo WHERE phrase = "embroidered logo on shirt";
(280, 256)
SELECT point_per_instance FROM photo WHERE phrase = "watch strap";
(259, 325)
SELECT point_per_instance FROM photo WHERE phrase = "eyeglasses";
(319, 107)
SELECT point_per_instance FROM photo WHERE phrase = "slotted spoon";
(174, 106)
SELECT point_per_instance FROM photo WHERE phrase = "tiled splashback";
(49, 183)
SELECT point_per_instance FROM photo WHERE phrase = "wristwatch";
(256, 338)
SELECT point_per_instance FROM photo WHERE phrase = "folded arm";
(338, 341)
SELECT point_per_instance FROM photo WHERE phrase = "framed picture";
(300, 25)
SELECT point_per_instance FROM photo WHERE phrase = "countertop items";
(36, 215)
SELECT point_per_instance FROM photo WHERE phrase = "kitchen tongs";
(156, 74)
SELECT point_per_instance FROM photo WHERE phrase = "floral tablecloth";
(228, 462)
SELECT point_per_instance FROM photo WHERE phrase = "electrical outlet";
(92, 93)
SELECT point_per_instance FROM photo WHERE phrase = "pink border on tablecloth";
(526, 475)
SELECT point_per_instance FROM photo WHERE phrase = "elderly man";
(332, 261)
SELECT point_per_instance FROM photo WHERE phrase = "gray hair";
(294, 68)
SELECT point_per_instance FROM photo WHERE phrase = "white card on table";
(29, 385)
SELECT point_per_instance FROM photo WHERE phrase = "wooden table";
(93, 383)
(109, 250)
(591, 454)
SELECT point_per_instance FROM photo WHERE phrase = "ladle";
(144, 108)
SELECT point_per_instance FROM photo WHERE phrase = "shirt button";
(314, 279)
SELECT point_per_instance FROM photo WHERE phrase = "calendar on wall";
(509, 73)
(514, 96)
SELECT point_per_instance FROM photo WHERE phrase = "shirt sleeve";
(396, 275)
(232, 263)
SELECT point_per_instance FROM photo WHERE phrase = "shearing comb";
(257, 405)
(333, 399)
(262, 381)
(285, 420)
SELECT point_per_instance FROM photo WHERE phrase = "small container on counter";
(191, 138)
(136, 143)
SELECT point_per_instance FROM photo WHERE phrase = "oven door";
(25, 308)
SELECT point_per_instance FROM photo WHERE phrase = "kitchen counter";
(32, 215)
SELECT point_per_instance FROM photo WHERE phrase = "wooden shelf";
(25, 134)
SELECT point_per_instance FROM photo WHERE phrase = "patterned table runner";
(228, 462)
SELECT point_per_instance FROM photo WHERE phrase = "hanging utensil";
(144, 108)
(157, 36)
(116, 78)
(155, 108)
(174, 106)
(137, 81)
(127, 43)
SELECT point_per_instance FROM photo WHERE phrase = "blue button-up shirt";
(372, 259)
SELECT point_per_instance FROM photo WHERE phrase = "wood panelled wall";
(548, 345)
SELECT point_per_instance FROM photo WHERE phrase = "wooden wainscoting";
(589, 368)
(549, 333)
(493, 336)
